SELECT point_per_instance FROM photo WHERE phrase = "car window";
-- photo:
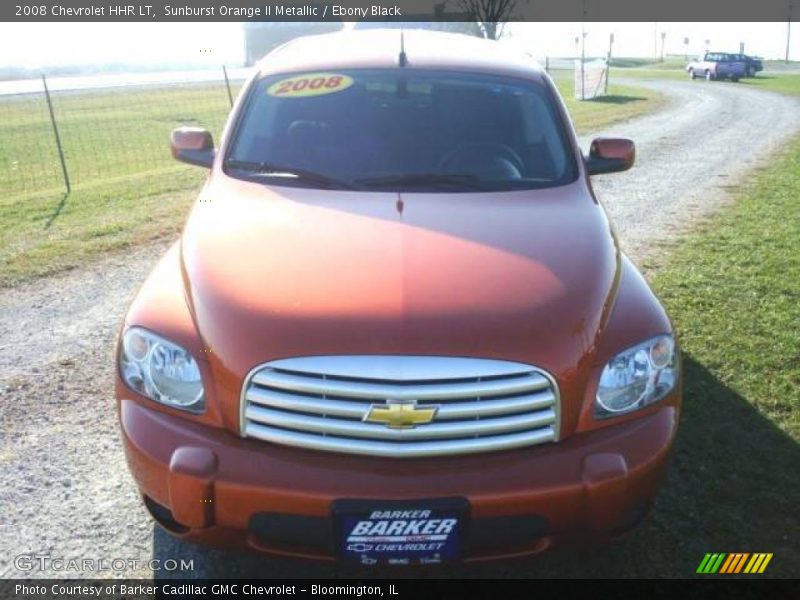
(402, 129)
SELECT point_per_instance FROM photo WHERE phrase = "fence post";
(227, 85)
(55, 132)
(608, 60)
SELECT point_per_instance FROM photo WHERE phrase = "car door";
(710, 62)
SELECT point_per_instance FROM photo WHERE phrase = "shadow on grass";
(617, 99)
(57, 211)
(732, 487)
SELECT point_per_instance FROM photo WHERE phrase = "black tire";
(734, 79)
(709, 76)
(692, 74)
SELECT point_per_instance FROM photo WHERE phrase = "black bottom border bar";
(390, 589)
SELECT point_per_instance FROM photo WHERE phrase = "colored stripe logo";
(734, 563)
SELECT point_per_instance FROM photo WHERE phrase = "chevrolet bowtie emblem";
(400, 414)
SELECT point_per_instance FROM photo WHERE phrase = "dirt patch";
(691, 156)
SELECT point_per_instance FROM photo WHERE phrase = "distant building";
(438, 20)
(260, 38)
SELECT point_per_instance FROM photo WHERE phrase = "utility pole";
(663, 38)
(608, 60)
(583, 61)
(788, 31)
(686, 48)
(583, 52)
(655, 41)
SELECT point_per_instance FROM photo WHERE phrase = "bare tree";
(491, 15)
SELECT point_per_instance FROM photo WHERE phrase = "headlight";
(637, 377)
(161, 370)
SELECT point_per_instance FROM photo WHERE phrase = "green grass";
(671, 62)
(46, 233)
(648, 73)
(734, 291)
(623, 102)
(126, 187)
(104, 134)
(783, 83)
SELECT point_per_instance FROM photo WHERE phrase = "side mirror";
(610, 155)
(193, 145)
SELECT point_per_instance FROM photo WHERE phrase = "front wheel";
(692, 74)
(709, 76)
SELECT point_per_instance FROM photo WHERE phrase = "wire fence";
(54, 136)
(103, 133)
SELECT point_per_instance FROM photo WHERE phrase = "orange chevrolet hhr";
(398, 327)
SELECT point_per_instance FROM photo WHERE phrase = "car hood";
(278, 271)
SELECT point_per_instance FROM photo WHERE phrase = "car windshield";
(401, 130)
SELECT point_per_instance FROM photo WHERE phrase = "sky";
(50, 44)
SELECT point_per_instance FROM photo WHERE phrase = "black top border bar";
(395, 10)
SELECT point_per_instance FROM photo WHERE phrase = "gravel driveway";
(66, 490)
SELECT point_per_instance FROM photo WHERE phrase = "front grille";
(321, 403)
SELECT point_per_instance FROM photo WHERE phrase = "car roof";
(380, 48)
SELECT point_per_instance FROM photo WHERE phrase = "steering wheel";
(466, 156)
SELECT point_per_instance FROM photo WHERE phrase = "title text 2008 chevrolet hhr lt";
(398, 327)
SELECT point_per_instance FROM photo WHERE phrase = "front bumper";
(209, 486)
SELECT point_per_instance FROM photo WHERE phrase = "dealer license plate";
(400, 533)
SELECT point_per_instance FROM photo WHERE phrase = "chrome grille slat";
(355, 409)
(400, 450)
(321, 402)
(380, 391)
(358, 429)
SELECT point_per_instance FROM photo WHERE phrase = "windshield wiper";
(424, 179)
(265, 169)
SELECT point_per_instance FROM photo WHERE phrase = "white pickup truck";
(717, 65)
